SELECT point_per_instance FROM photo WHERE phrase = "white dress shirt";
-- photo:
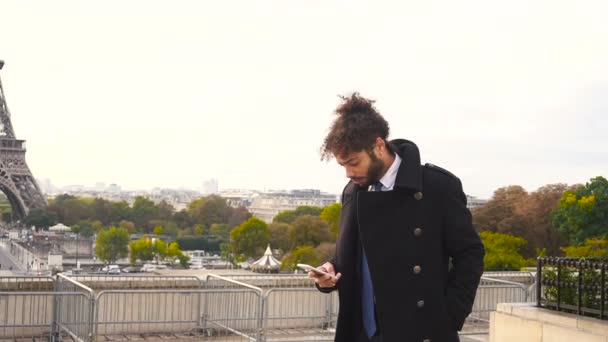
(388, 180)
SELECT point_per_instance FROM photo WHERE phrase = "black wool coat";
(409, 235)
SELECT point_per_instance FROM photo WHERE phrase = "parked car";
(111, 269)
(132, 269)
(152, 267)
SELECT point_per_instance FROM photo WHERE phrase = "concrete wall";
(525, 322)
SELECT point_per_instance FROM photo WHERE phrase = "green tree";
(198, 229)
(583, 213)
(331, 215)
(41, 218)
(158, 230)
(209, 210)
(221, 230)
(502, 251)
(308, 230)
(289, 216)
(112, 244)
(144, 210)
(250, 238)
(279, 236)
(300, 255)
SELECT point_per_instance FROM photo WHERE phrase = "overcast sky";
(170, 93)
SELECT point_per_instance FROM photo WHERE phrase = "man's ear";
(381, 145)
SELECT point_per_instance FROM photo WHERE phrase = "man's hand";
(326, 281)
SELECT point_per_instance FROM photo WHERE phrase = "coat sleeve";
(347, 196)
(466, 250)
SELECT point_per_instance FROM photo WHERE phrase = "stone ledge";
(526, 322)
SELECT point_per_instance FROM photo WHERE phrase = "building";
(267, 205)
(210, 187)
(474, 202)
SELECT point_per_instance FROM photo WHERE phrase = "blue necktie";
(367, 289)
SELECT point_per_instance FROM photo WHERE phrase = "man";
(408, 261)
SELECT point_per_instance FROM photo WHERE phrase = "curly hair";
(356, 128)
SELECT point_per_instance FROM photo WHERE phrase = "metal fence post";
(92, 323)
(261, 336)
(539, 279)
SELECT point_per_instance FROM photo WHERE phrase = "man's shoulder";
(438, 176)
(438, 170)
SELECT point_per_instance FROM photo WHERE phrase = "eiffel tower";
(16, 179)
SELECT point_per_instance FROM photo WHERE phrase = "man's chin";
(361, 182)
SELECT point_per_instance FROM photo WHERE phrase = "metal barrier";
(33, 314)
(493, 291)
(219, 308)
(27, 283)
(74, 314)
(300, 314)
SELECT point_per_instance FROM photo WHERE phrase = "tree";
(250, 238)
(583, 213)
(592, 248)
(325, 251)
(198, 229)
(141, 249)
(534, 211)
(158, 230)
(238, 216)
(279, 236)
(220, 230)
(300, 255)
(144, 210)
(182, 219)
(41, 218)
(331, 215)
(498, 215)
(308, 230)
(111, 244)
(502, 251)
(128, 225)
(289, 216)
(209, 210)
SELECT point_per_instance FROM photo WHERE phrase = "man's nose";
(349, 172)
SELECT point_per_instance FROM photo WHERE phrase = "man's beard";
(374, 172)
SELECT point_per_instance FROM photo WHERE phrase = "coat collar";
(409, 175)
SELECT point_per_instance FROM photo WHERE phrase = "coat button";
(417, 269)
(420, 304)
(417, 232)
(418, 196)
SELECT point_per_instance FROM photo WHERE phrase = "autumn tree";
(498, 214)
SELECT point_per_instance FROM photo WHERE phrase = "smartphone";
(317, 271)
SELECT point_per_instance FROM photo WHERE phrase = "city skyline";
(151, 94)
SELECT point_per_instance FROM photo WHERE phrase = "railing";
(493, 291)
(74, 314)
(220, 308)
(573, 285)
